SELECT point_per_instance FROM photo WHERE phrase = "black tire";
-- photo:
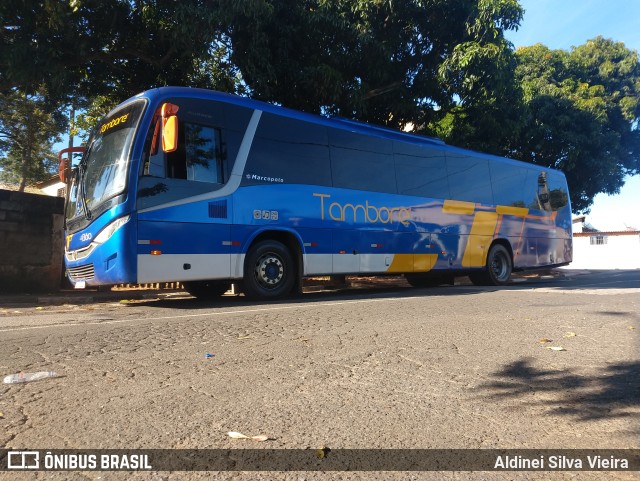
(426, 280)
(269, 271)
(498, 269)
(206, 290)
(479, 279)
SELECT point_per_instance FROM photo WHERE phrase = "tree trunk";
(26, 156)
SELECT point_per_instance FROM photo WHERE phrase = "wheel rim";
(500, 266)
(269, 271)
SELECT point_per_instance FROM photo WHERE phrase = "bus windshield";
(102, 173)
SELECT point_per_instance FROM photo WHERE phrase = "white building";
(604, 250)
(53, 187)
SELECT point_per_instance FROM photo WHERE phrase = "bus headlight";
(108, 231)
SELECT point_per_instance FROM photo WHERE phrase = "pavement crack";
(203, 393)
(21, 422)
(411, 360)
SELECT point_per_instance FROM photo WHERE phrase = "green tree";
(489, 118)
(442, 66)
(93, 54)
(28, 129)
(582, 109)
(384, 61)
(79, 49)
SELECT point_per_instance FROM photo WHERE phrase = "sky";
(561, 24)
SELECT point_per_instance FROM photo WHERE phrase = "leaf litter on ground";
(237, 435)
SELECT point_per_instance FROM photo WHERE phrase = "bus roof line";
(334, 121)
(331, 121)
(381, 128)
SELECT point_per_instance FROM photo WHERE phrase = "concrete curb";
(83, 297)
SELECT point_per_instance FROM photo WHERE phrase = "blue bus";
(206, 189)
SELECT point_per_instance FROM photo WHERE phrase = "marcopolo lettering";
(263, 178)
(366, 212)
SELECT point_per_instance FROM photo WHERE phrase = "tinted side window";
(509, 184)
(469, 178)
(288, 151)
(203, 153)
(536, 191)
(228, 120)
(231, 121)
(209, 137)
(548, 190)
(558, 194)
(421, 171)
(362, 162)
(199, 156)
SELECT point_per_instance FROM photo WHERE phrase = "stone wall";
(31, 242)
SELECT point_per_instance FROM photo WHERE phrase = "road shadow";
(391, 287)
(568, 280)
(346, 294)
(613, 392)
(382, 286)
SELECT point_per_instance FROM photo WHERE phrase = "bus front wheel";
(498, 269)
(269, 271)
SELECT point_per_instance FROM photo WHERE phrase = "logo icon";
(23, 460)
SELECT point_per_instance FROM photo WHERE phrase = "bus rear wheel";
(269, 271)
(206, 290)
(498, 269)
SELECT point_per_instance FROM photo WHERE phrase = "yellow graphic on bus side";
(458, 207)
(480, 237)
(412, 262)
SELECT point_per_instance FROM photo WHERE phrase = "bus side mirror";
(169, 127)
(62, 170)
(170, 134)
(64, 165)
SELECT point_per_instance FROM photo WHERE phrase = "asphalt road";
(448, 367)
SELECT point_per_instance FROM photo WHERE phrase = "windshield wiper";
(82, 169)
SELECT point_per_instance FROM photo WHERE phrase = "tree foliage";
(443, 66)
(94, 54)
(581, 115)
(27, 130)
(86, 48)
(384, 61)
